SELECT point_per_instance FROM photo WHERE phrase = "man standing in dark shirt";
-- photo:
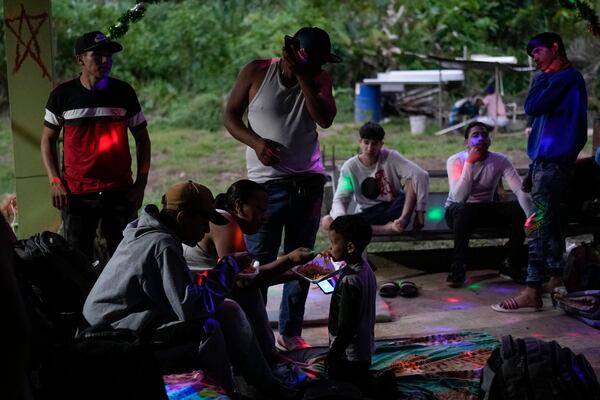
(557, 101)
(94, 111)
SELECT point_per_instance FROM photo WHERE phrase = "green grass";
(213, 158)
(426, 145)
(7, 167)
(217, 160)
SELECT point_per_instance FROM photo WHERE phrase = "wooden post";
(28, 35)
(497, 94)
(595, 136)
(440, 116)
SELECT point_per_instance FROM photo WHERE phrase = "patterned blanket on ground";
(437, 367)
(584, 305)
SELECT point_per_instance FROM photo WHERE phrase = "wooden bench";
(435, 224)
(436, 228)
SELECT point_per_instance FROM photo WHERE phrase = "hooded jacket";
(147, 282)
(558, 103)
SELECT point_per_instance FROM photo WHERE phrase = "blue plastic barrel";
(367, 103)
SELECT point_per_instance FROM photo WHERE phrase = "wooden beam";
(454, 127)
(30, 76)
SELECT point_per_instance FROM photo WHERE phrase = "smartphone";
(327, 286)
(291, 44)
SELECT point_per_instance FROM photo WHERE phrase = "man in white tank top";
(286, 98)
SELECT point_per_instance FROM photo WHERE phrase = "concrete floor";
(440, 309)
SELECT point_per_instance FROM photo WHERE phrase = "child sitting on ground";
(352, 311)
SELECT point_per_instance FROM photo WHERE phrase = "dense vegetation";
(183, 56)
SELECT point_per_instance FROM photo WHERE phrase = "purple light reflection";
(503, 290)
(462, 306)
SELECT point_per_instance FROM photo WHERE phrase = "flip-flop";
(511, 306)
(408, 289)
(389, 289)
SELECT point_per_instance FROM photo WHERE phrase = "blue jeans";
(251, 301)
(546, 243)
(384, 212)
(214, 345)
(294, 209)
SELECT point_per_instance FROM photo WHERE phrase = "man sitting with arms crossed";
(373, 179)
(473, 177)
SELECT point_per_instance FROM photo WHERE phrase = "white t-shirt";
(388, 171)
(477, 183)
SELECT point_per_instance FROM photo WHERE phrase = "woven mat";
(437, 367)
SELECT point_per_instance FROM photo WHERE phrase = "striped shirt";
(96, 153)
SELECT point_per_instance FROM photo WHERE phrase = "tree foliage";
(183, 56)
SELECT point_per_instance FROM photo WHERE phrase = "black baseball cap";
(94, 41)
(315, 41)
(545, 39)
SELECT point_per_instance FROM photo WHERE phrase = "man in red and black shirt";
(95, 185)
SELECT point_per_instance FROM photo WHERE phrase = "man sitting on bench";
(473, 177)
(373, 179)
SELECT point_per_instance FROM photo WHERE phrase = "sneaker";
(290, 343)
(456, 276)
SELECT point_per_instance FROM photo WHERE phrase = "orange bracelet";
(55, 180)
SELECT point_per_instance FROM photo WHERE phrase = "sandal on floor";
(510, 305)
(389, 290)
(408, 289)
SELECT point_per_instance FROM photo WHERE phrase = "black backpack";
(54, 279)
(532, 369)
(102, 363)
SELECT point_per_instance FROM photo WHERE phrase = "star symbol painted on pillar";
(26, 27)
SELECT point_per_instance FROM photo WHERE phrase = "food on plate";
(313, 271)
(325, 254)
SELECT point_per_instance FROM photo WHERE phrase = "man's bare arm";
(142, 151)
(234, 113)
(317, 90)
(318, 96)
(49, 151)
